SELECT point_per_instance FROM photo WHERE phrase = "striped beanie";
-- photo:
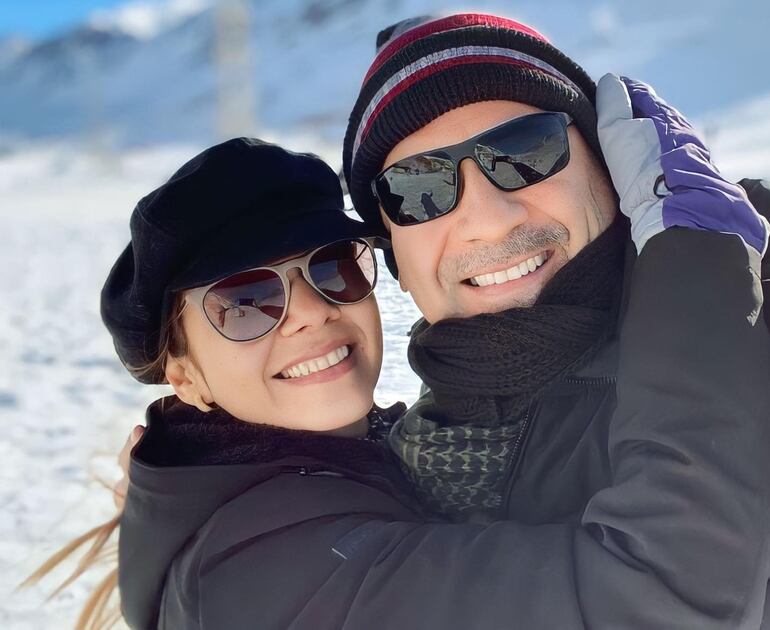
(427, 66)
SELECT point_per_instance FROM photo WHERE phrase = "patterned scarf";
(484, 371)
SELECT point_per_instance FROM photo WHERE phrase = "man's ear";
(188, 382)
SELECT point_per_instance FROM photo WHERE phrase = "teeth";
(486, 279)
(514, 273)
(316, 365)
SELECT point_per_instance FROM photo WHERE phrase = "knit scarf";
(484, 371)
(180, 435)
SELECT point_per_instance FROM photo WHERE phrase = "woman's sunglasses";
(513, 155)
(249, 304)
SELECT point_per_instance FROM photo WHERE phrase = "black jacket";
(639, 498)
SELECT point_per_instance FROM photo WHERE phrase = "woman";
(248, 290)
(273, 334)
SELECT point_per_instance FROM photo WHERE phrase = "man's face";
(467, 261)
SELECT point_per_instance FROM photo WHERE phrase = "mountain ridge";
(308, 58)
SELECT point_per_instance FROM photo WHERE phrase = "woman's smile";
(323, 367)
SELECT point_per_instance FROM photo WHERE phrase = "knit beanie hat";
(428, 66)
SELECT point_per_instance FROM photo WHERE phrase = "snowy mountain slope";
(147, 77)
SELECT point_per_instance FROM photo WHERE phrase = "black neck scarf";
(181, 435)
(484, 370)
(456, 444)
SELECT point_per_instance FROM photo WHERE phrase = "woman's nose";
(307, 308)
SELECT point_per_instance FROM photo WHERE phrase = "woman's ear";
(188, 382)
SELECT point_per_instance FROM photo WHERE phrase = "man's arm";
(688, 508)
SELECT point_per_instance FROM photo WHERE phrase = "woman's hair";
(172, 342)
(102, 608)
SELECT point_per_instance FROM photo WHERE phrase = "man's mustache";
(522, 240)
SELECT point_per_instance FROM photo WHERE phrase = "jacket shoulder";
(291, 498)
(253, 543)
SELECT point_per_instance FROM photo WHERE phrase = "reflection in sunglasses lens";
(344, 272)
(419, 188)
(246, 305)
(524, 152)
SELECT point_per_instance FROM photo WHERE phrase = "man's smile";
(511, 273)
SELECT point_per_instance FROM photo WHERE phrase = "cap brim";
(249, 242)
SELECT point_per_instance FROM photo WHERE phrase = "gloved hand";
(663, 172)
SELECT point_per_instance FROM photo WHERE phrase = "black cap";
(237, 205)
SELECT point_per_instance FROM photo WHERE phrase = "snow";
(144, 20)
(739, 138)
(66, 404)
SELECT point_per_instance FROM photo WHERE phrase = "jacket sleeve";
(678, 540)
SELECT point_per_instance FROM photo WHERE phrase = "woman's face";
(271, 380)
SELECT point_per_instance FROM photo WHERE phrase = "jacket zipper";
(515, 459)
(377, 481)
(592, 381)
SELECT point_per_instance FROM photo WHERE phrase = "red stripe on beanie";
(434, 68)
(461, 20)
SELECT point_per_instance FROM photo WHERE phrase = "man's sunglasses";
(513, 155)
(249, 304)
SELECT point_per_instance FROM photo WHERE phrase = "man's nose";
(484, 212)
(308, 310)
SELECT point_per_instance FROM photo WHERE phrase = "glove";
(663, 172)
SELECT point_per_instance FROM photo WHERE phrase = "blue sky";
(38, 18)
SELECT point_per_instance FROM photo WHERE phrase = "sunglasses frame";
(467, 150)
(197, 295)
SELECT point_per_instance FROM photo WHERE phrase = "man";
(566, 382)
(595, 422)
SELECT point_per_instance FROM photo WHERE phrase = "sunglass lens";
(345, 271)
(525, 151)
(246, 305)
(417, 189)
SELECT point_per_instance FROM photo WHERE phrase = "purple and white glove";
(663, 172)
